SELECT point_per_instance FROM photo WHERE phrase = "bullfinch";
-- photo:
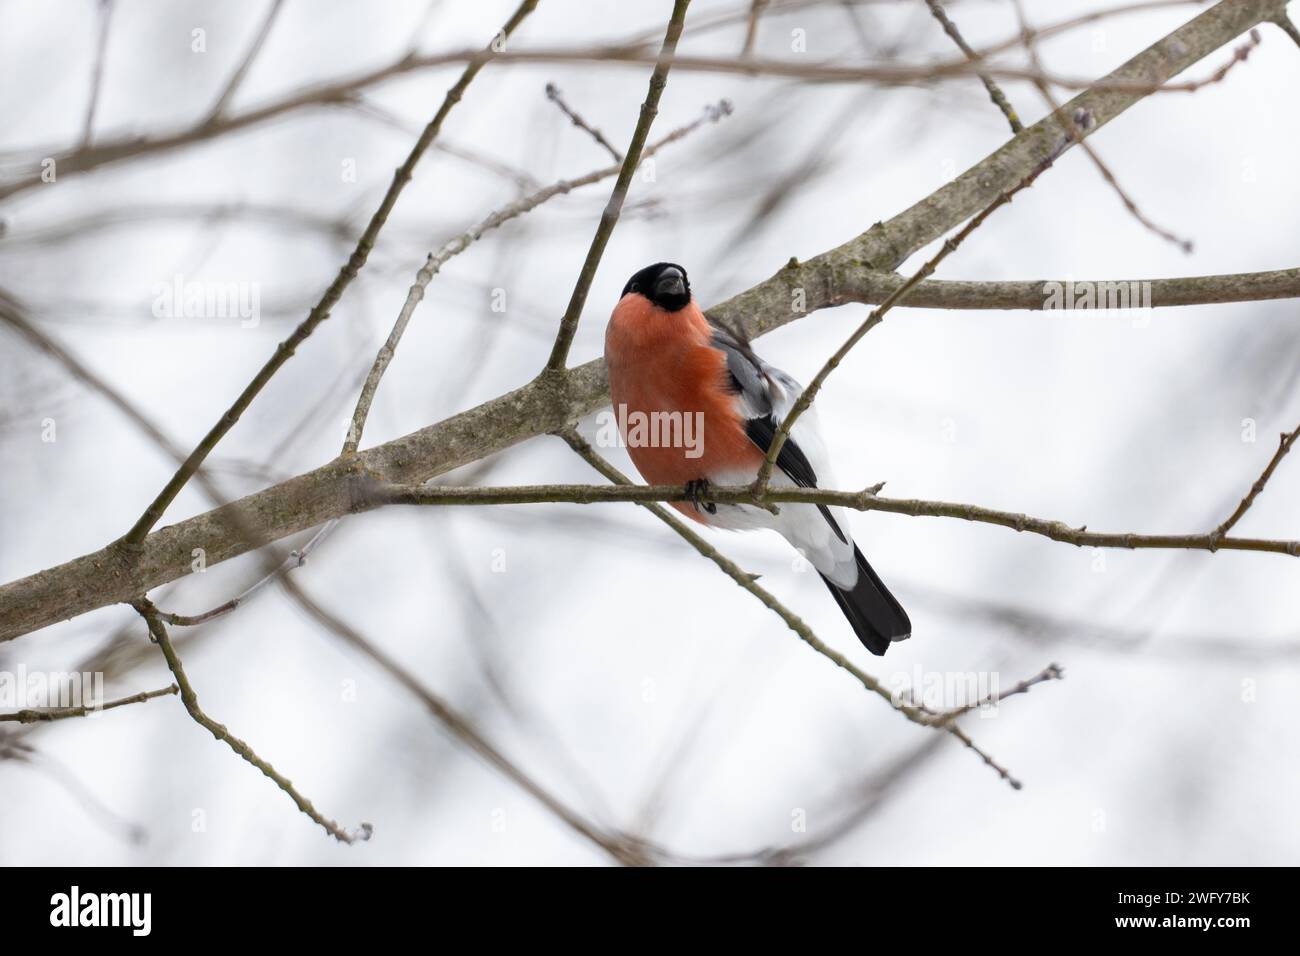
(695, 406)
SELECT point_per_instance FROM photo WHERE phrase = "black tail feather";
(877, 617)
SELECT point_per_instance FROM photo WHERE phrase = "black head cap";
(664, 284)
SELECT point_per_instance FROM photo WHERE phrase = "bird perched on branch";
(696, 406)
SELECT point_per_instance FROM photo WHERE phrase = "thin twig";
(867, 500)
(553, 94)
(995, 92)
(40, 715)
(756, 8)
(97, 74)
(609, 218)
(158, 631)
(237, 78)
(295, 559)
(1049, 673)
(1283, 446)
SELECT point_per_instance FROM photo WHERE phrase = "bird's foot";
(698, 488)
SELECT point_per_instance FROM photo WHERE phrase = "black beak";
(671, 282)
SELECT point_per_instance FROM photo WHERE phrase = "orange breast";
(662, 362)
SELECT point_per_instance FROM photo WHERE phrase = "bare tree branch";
(867, 500)
(97, 74)
(295, 559)
(1283, 446)
(756, 8)
(1049, 673)
(237, 78)
(995, 92)
(1074, 295)
(33, 716)
(553, 94)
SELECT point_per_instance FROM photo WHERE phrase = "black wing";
(755, 382)
(765, 392)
